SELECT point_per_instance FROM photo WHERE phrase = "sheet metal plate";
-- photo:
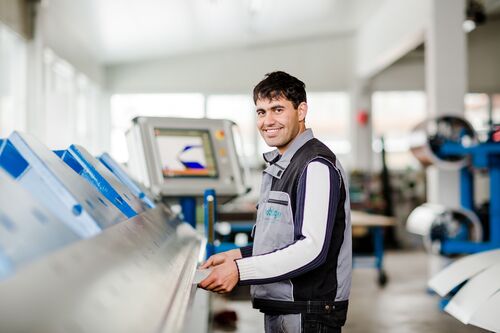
(462, 270)
(487, 316)
(473, 294)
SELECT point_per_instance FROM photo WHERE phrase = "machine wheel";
(382, 278)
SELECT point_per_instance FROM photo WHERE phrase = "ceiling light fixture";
(475, 15)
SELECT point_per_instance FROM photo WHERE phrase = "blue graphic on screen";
(185, 153)
(191, 164)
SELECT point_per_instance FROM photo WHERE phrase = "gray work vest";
(279, 224)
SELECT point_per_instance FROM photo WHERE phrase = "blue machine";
(55, 185)
(27, 230)
(124, 177)
(92, 170)
(451, 143)
(83, 248)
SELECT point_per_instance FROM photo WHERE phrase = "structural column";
(446, 84)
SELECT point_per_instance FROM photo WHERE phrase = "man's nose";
(269, 118)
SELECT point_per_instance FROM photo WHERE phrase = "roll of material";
(435, 222)
(428, 137)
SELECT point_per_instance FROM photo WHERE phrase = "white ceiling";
(134, 30)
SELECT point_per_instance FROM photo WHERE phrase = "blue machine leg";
(210, 205)
(467, 188)
(378, 244)
(495, 200)
(188, 206)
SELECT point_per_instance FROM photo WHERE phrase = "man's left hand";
(223, 278)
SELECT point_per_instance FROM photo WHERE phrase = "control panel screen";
(186, 153)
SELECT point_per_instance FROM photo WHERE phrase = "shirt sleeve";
(318, 194)
(246, 251)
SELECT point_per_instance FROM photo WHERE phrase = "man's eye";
(278, 110)
(260, 113)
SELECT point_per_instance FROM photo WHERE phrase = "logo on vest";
(273, 213)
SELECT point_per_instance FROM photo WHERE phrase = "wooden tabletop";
(363, 219)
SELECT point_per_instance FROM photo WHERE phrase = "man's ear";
(302, 109)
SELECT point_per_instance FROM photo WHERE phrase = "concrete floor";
(403, 306)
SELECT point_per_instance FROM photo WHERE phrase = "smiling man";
(299, 266)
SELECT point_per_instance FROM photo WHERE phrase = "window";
(394, 115)
(477, 112)
(71, 107)
(66, 109)
(124, 108)
(328, 117)
(59, 122)
(87, 116)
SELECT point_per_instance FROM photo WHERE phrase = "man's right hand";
(221, 258)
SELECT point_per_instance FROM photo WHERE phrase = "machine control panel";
(183, 157)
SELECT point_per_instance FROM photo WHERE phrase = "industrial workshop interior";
(208, 166)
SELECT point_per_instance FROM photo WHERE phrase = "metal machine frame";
(483, 155)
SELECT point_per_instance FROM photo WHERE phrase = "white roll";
(426, 217)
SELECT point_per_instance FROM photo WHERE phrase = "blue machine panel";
(83, 163)
(56, 186)
(27, 229)
(124, 177)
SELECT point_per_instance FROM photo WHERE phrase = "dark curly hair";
(280, 84)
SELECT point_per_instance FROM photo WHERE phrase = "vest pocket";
(276, 208)
(274, 224)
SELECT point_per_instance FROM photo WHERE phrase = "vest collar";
(279, 163)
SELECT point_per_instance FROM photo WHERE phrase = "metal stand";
(210, 205)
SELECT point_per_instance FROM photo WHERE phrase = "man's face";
(279, 122)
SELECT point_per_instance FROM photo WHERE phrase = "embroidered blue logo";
(273, 213)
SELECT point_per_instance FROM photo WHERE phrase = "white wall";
(392, 31)
(323, 63)
(408, 73)
(484, 58)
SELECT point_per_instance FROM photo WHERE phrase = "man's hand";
(221, 258)
(223, 278)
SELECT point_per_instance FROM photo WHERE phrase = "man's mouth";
(271, 130)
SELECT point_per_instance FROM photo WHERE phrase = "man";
(299, 266)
